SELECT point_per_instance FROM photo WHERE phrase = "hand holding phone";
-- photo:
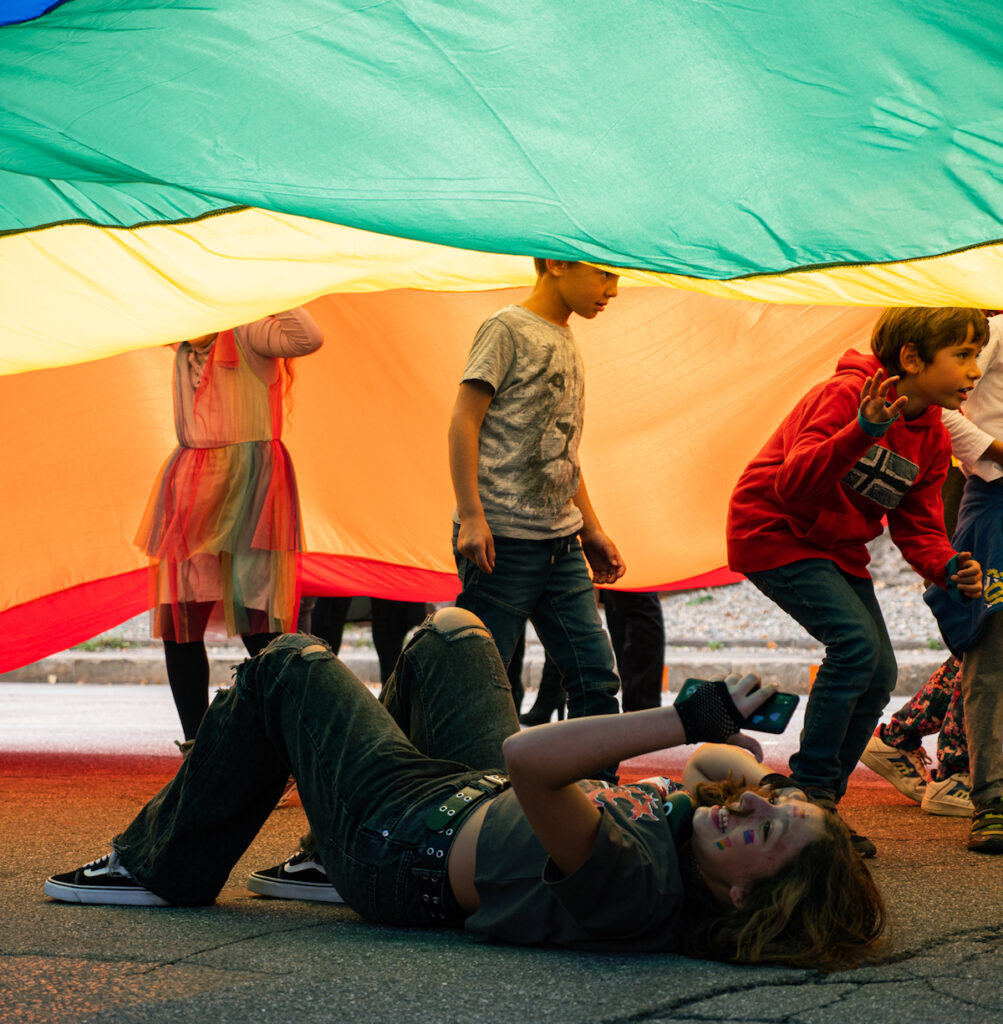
(772, 716)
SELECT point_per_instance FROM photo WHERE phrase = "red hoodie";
(821, 485)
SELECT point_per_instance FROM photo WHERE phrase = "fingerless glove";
(709, 714)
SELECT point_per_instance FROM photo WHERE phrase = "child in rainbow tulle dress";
(223, 519)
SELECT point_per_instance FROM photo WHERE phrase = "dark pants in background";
(637, 630)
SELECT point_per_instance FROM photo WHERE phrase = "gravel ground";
(731, 616)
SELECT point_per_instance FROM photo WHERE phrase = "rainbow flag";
(169, 169)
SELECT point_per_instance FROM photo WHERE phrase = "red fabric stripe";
(714, 578)
(333, 575)
(57, 621)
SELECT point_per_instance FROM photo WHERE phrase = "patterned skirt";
(223, 525)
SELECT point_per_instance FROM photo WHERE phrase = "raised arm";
(546, 763)
(475, 541)
(714, 761)
(284, 335)
(825, 438)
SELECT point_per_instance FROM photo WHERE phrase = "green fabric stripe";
(711, 139)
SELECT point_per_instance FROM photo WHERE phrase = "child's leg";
(504, 598)
(982, 684)
(328, 620)
(637, 630)
(924, 713)
(952, 743)
(867, 711)
(567, 620)
(182, 628)
(188, 676)
(855, 678)
(390, 624)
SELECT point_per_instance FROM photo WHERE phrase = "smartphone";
(773, 716)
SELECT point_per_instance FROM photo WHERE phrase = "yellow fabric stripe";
(972, 277)
(73, 293)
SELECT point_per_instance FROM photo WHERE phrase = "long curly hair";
(820, 910)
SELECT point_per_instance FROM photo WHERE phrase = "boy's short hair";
(541, 264)
(929, 328)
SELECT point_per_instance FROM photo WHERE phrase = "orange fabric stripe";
(682, 389)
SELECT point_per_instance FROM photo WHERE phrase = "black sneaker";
(299, 878)
(102, 881)
(864, 847)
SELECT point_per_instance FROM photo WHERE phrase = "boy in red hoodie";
(865, 444)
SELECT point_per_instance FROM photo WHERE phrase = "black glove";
(709, 714)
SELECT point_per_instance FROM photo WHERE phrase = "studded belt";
(443, 823)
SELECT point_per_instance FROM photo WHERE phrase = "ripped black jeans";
(367, 772)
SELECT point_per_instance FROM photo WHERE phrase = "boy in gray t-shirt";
(523, 524)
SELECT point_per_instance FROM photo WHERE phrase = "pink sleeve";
(283, 335)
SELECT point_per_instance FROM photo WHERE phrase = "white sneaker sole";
(947, 810)
(287, 889)
(110, 895)
(880, 766)
(948, 807)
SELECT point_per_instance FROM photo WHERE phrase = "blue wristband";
(874, 429)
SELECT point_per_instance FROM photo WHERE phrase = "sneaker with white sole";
(904, 769)
(102, 881)
(299, 878)
(952, 796)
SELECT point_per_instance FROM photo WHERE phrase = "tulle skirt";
(224, 526)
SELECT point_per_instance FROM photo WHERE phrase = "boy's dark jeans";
(548, 583)
(367, 774)
(856, 676)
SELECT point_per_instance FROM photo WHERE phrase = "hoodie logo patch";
(882, 476)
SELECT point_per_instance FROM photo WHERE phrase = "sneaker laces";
(110, 864)
(302, 857)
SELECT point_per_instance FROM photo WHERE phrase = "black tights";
(188, 674)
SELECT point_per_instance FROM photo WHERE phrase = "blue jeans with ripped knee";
(367, 771)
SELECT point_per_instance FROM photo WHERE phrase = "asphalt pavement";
(77, 761)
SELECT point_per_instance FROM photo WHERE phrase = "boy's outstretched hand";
(603, 557)
(968, 578)
(874, 398)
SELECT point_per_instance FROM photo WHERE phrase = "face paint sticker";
(749, 836)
